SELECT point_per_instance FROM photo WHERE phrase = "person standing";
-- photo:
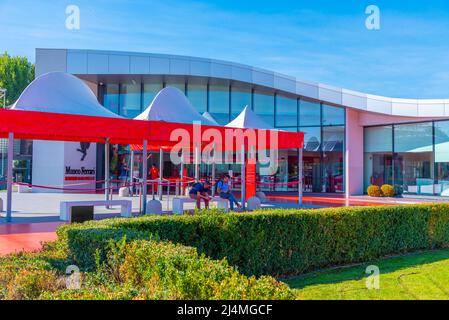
(224, 190)
(200, 191)
(154, 175)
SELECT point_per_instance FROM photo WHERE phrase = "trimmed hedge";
(278, 242)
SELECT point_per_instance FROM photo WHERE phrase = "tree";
(15, 74)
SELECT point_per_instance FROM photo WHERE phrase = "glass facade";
(322, 124)
(23, 153)
(378, 163)
(219, 102)
(414, 156)
(151, 86)
(111, 97)
(240, 98)
(333, 149)
(286, 111)
(130, 99)
(197, 94)
(264, 105)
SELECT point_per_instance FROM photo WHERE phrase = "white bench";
(66, 207)
(178, 204)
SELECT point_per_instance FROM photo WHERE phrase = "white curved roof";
(60, 92)
(80, 61)
(247, 119)
(209, 117)
(171, 105)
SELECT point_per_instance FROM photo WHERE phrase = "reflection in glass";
(264, 106)
(130, 99)
(240, 98)
(176, 82)
(442, 157)
(333, 116)
(413, 163)
(378, 162)
(219, 103)
(111, 97)
(312, 159)
(151, 87)
(333, 144)
(197, 94)
(309, 113)
(286, 111)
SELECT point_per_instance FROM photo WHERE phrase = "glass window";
(264, 105)
(240, 98)
(130, 96)
(176, 82)
(151, 87)
(333, 146)
(312, 138)
(442, 157)
(378, 157)
(309, 113)
(219, 103)
(413, 163)
(111, 97)
(290, 129)
(197, 94)
(333, 116)
(312, 159)
(286, 111)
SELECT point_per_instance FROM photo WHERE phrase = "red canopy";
(68, 127)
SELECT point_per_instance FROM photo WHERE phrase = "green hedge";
(134, 270)
(279, 242)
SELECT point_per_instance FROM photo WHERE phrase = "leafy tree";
(15, 74)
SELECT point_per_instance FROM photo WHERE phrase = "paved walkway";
(26, 237)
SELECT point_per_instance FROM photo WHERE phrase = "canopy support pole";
(106, 171)
(181, 174)
(9, 177)
(243, 178)
(131, 189)
(213, 171)
(197, 169)
(144, 176)
(161, 173)
(300, 174)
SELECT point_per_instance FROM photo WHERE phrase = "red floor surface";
(26, 237)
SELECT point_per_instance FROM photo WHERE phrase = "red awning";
(67, 127)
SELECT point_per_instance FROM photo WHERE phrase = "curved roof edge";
(115, 62)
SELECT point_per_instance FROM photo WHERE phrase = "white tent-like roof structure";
(209, 117)
(171, 105)
(247, 119)
(60, 92)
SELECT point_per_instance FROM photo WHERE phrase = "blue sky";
(324, 41)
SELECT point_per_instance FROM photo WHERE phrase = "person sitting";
(224, 190)
(200, 191)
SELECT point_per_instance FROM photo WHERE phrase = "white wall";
(48, 164)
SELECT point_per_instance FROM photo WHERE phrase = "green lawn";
(423, 275)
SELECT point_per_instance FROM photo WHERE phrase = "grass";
(420, 276)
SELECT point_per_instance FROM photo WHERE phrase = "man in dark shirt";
(200, 191)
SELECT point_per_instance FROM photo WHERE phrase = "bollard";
(254, 203)
(154, 207)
